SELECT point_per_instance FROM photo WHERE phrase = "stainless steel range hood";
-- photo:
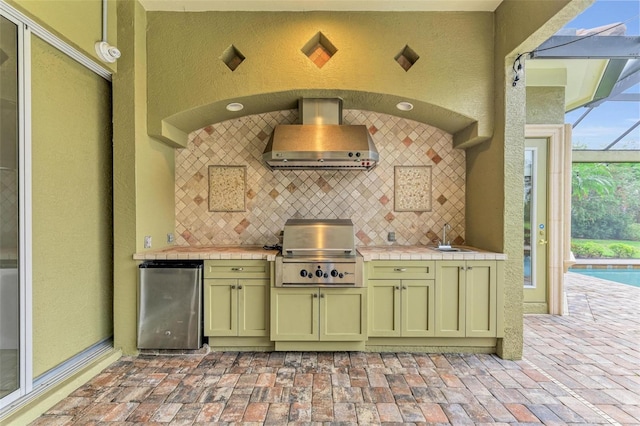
(321, 141)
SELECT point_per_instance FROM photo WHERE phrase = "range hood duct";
(321, 142)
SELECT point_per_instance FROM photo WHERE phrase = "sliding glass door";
(9, 210)
(15, 373)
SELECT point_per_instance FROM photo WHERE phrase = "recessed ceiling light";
(404, 106)
(235, 106)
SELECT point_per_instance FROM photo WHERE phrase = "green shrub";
(588, 249)
(632, 232)
(622, 251)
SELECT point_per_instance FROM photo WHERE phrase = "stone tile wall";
(272, 197)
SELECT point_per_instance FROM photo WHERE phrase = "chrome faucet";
(444, 242)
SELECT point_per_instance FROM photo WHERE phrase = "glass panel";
(528, 216)
(9, 213)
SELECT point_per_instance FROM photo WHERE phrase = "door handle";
(397, 287)
(315, 295)
(321, 296)
(239, 287)
(233, 287)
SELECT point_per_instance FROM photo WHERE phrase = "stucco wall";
(545, 105)
(77, 22)
(143, 174)
(494, 219)
(72, 216)
(450, 84)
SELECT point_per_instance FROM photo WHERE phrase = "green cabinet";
(236, 298)
(318, 314)
(466, 298)
(401, 298)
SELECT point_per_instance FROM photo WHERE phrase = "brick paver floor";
(583, 368)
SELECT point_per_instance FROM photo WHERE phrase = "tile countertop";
(397, 252)
(391, 252)
(208, 253)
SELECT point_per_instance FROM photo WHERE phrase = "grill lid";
(318, 237)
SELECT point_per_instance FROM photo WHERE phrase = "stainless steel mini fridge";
(170, 305)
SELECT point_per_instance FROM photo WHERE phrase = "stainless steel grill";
(318, 253)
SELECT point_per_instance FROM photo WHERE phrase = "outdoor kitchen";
(342, 245)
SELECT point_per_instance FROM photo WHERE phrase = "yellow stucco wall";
(545, 105)
(450, 84)
(495, 219)
(79, 23)
(72, 215)
(143, 174)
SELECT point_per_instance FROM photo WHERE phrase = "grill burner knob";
(334, 273)
(319, 273)
(303, 273)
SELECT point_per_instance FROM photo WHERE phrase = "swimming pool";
(624, 276)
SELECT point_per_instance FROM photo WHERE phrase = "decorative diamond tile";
(363, 197)
(442, 199)
(389, 217)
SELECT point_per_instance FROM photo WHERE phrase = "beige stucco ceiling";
(335, 5)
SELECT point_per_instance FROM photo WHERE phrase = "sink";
(454, 250)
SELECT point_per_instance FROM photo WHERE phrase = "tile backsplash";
(272, 197)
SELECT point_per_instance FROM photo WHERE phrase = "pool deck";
(578, 369)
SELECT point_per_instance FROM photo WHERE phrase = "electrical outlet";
(147, 241)
(391, 237)
(170, 237)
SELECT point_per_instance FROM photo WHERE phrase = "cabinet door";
(418, 308)
(481, 298)
(450, 298)
(220, 307)
(253, 298)
(294, 314)
(343, 313)
(384, 308)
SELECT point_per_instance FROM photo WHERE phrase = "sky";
(610, 120)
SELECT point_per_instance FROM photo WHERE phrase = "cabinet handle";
(321, 296)
(233, 287)
(404, 287)
(237, 269)
(239, 287)
(461, 268)
(400, 269)
(397, 287)
(315, 295)
(469, 268)
(427, 269)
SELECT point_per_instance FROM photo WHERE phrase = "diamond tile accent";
(442, 199)
(273, 197)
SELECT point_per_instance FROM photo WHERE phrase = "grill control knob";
(334, 273)
(326, 275)
(319, 273)
(303, 273)
(341, 275)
